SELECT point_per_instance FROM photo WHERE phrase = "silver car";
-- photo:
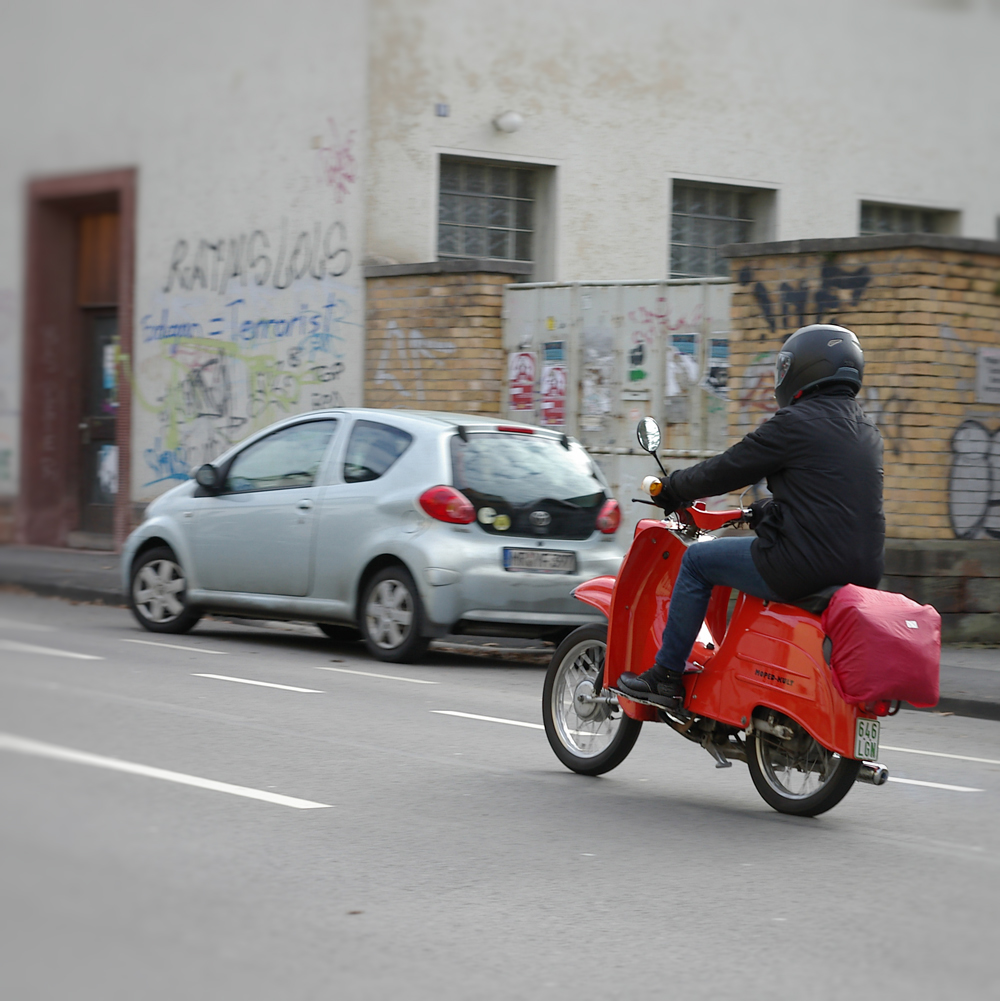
(400, 525)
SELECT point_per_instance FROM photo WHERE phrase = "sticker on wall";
(682, 363)
(521, 380)
(107, 470)
(553, 391)
(717, 377)
(555, 350)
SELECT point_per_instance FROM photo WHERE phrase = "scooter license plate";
(866, 740)
(539, 560)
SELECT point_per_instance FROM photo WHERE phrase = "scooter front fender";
(597, 593)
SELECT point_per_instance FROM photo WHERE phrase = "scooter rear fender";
(597, 593)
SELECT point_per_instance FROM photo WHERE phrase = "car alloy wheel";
(158, 593)
(157, 589)
(392, 617)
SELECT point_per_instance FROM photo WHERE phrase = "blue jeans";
(722, 561)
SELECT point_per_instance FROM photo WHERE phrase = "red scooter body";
(770, 655)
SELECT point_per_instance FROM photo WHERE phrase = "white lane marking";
(262, 684)
(941, 754)
(23, 745)
(11, 624)
(488, 719)
(371, 674)
(177, 646)
(14, 647)
(934, 785)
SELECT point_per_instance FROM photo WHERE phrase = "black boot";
(665, 689)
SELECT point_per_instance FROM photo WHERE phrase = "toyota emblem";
(540, 518)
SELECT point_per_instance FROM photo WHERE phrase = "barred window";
(704, 217)
(485, 210)
(877, 219)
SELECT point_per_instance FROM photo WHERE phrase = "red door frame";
(48, 505)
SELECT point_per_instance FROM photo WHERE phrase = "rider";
(823, 524)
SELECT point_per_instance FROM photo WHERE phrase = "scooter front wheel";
(798, 776)
(588, 736)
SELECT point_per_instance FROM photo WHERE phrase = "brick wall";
(922, 307)
(433, 339)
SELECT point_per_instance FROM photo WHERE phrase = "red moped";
(758, 685)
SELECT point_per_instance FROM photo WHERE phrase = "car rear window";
(528, 484)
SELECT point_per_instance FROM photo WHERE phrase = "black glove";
(758, 511)
(669, 500)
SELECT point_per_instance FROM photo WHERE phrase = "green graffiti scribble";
(201, 384)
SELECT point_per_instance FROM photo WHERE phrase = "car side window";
(372, 449)
(288, 458)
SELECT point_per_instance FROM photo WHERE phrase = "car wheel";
(340, 634)
(158, 593)
(391, 617)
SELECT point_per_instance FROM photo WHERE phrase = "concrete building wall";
(245, 123)
(883, 100)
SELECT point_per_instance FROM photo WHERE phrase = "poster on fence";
(521, 380)
(553, 391)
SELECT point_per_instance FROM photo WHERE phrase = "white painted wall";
(241, 117)
(829, 104)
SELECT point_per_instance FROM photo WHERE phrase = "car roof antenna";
(463, 432)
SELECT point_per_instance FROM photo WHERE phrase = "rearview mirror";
(648, 433)
(207, 476)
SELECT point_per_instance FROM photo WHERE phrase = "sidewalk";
(970, 677)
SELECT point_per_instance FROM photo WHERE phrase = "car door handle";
(305, 505)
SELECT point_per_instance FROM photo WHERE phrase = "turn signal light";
(652, 485)
(447, 504)
(609, 517)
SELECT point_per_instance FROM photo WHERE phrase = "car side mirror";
(207, 476)
(648, 433)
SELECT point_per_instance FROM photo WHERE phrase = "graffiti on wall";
(337, 162)
(409, 354)
(795, 305)
(974, 483)
(243, 331)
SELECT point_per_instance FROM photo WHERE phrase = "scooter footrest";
(638, 700)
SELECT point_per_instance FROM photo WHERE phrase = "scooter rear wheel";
(799, 777)
(588, 737)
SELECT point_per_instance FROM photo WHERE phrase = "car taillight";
(448, 504)
(609, 517)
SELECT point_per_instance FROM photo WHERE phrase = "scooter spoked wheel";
(798, 776)
(588, 737)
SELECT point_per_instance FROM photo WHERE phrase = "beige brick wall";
(433, 341)
(922, 313)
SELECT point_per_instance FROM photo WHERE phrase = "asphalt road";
(332, 833)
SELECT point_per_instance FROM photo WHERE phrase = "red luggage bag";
(885, 647)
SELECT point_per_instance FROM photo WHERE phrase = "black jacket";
(822, 457)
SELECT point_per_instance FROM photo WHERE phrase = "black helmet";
(815, 355)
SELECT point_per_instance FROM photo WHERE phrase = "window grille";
(704, 218)
(485, 210)
(877, 219)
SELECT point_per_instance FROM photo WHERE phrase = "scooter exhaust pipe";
(872, 773)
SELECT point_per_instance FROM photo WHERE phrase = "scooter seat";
(817, 602)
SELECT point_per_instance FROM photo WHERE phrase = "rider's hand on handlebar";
(662, 495)
(757, 511)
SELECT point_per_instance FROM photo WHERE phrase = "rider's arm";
(762, 452)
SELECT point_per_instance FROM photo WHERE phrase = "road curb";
(70, 592)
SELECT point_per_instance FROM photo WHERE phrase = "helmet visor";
(781, 366)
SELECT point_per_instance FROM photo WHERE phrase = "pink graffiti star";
(338, 162)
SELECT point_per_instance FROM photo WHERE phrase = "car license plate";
(539, 560)
(866, 740)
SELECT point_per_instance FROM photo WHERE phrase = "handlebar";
(698, 512)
